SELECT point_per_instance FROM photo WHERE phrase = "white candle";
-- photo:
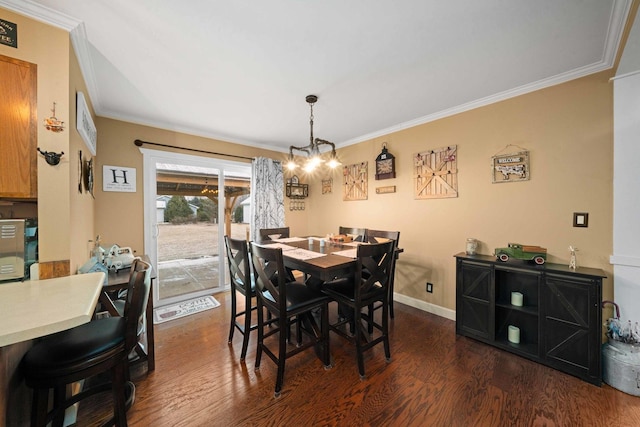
(517, 298)
(514, 334)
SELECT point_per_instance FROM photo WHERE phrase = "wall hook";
(51, 157)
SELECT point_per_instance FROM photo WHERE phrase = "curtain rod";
(139, 143)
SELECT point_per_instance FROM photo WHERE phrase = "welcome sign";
(8, 33)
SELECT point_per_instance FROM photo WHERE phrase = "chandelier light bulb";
(333, 163)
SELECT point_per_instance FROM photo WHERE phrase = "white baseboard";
(425, 306)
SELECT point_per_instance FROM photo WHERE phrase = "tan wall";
(568, 130)
(120, 216)
(81, 203)
(49, 48)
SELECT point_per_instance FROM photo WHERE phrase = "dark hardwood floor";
(434, 378)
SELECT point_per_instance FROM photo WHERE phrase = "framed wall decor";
(355, 182)
(327, 186)
(386, 190)
(435, 173)
(510, 167)
(84, 124)
(119, 179)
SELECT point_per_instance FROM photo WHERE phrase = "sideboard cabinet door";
(474, 304)
(571, 323)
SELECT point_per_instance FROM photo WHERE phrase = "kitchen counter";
(33, 309)
(36, 308)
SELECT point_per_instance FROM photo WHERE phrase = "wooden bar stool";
(86, 351)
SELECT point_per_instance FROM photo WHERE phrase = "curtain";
(267, 195)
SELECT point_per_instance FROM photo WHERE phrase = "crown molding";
(77, 34)
(617, 22)
(41, 13)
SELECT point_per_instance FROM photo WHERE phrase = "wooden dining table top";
(326, 267)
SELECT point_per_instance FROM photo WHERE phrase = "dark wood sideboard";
(559, 322)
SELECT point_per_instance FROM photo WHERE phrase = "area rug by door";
(184, 308)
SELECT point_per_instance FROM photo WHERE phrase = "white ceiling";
(240, 70)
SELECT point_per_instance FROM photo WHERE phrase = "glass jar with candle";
(472, 246)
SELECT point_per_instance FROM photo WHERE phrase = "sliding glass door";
(191, 202)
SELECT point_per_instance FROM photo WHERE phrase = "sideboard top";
(546, 267)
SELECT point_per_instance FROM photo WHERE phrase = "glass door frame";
(150, 159)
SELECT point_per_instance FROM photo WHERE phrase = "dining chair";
(289, 303)
(120, 304)
(358, 234)
(86, 351)
(268, 234)
(378, 236)
(361, 292)
(240, 277)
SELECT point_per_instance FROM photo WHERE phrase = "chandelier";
(314, 157)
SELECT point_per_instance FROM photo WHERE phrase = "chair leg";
(370, 319)
(385, 332)
(324, 336)
(39, 407)
(59, 396)
(260, 334)
(357, 320)
(247, 327)
(233, 313)
(117, 391)
(282, 353)
(391, 280)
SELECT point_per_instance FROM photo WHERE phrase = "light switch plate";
(580, 219)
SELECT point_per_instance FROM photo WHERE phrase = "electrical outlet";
(430, 287)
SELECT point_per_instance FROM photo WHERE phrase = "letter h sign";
(118, 178)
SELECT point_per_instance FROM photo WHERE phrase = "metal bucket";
(621, 366)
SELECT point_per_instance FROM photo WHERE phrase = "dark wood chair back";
(376, 260)
(136, 301)
(376, 236)
(239, 268)
(265, 234)
(358, 234)
(269, 274)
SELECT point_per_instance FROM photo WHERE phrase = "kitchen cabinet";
(18, 133)
(559, 321)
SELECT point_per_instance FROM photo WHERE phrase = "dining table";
(321, 260)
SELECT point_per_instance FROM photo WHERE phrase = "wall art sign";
(512, 167)
(386, 190)
(8, 33)
(118, 178)
(84, 123)
(327, 186)
(355, 184)
(435, 173)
